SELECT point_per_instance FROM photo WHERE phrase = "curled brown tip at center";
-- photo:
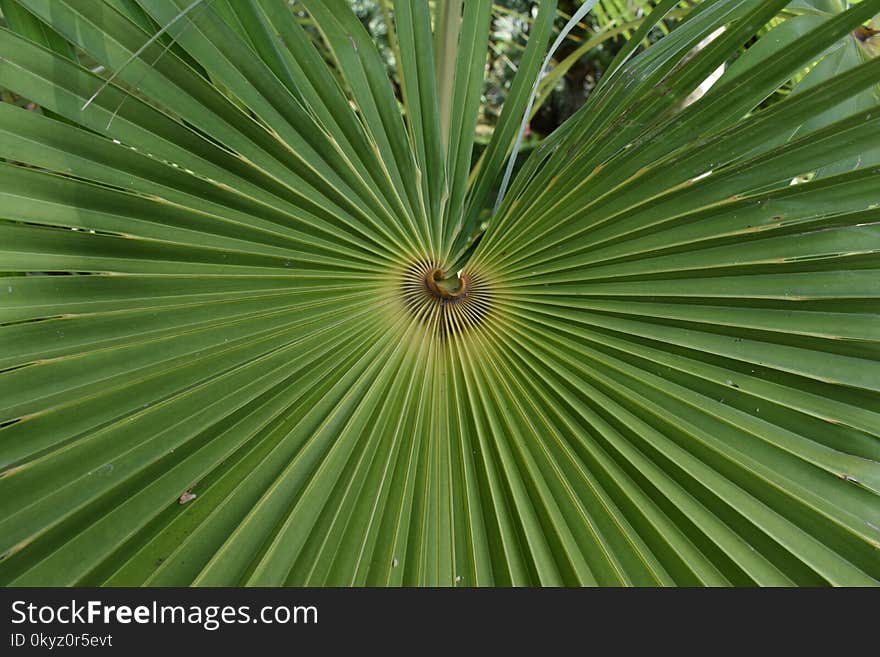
(863, 33)
(449, 289)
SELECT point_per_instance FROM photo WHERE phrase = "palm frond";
(267, 335)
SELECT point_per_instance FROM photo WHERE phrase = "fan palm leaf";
(292, 347)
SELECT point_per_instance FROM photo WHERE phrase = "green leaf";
(241, 269)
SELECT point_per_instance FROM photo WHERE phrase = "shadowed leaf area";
(260, 325)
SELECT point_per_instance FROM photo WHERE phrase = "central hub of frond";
(449, 289)
(447, 303)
